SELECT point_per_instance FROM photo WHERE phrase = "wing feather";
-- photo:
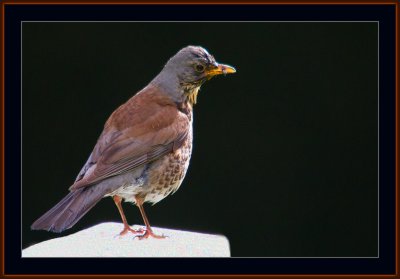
(136, 141)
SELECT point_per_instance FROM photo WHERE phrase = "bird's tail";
(68, 211)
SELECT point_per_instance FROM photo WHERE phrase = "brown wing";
(142, 130)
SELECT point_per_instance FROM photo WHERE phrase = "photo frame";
(385, 14)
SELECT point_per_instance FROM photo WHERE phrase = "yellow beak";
(221, 69)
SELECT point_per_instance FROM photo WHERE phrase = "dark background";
(285, 151)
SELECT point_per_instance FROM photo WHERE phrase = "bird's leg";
(149, 231)
(118, 200)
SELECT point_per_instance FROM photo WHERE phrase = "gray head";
(187, 70)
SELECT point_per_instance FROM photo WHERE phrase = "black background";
(285, 159)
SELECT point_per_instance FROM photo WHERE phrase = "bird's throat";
(191, 94)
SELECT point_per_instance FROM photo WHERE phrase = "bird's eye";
(199, 68)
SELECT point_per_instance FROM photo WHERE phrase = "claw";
(128, 229)
(149, 233)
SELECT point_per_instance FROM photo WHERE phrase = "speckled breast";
(166, 174)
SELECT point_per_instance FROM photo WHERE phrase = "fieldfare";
(143, 153)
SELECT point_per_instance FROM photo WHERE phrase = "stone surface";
(103, 240)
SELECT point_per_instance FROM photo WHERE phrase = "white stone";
(103, 240)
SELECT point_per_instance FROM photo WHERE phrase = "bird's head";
(190, 68)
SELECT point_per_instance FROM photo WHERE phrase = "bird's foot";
(149, 233)
(128, 229)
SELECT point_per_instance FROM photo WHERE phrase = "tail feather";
(68, 211)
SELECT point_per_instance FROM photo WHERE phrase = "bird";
(143, 152)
